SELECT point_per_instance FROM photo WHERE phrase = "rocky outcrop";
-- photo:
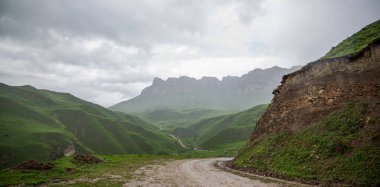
(320, 88)
(70, 150)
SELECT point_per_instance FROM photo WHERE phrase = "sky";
(108, 51)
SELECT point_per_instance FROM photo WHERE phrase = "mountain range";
(322, 125)
(231, 93)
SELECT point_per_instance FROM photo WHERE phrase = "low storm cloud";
(108, 51)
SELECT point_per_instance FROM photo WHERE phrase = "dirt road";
(179, 141)
(194, 172)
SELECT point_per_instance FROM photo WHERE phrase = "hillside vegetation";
(170, 118)
(356, 42)
(323, 125)
(41, 124)
(227, 132)
(337, 149)
(115, 171)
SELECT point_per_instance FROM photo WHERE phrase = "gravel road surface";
(194, 172)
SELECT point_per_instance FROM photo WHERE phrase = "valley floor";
(196, 172)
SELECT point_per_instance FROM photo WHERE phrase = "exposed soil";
(88, 159)
(320, 88)
(34, 165)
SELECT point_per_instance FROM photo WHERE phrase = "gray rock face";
(230, 93)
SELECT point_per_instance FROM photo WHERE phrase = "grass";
(33, 119)
(210, 153)
(178, 117)
(40, 124)
(224, 133)
(115, 171)
(343, 148)
(356, 42)
(228, 136)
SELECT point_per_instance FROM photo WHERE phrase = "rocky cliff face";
(230, 93)
(321, 87)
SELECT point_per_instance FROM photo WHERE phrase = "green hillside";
(336, 149)
(170, 118)
(228, 132)
(41, 124)
(356, 42)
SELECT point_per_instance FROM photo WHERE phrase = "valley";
(156, 119)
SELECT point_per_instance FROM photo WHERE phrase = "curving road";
(195, 172)
(179, 141)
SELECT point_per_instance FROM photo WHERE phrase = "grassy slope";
(228, 132)
(356, 42)
(341, 148)
(115, 171)
(177, 117)
(40, 124)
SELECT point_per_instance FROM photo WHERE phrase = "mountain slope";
(41, 124)
(168, 119)
(357, 42)
(231, 93)
(323, 123)
(227, 132)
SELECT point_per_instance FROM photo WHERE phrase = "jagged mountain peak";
(229, 93)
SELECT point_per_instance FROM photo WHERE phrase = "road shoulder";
(223, 165)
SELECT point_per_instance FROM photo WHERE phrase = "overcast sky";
(108, 51)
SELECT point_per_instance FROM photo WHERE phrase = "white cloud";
(108, 51)
(173, 50)
(216, 67)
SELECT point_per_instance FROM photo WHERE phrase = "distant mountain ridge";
(230, 93)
